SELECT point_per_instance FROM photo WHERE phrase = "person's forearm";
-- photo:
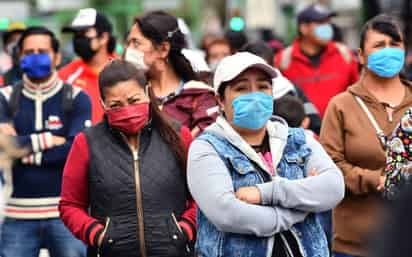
(312, 194)
(212, 188)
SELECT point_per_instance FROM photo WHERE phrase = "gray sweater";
(285, 202)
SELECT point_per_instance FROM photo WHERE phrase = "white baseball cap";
(231, 66)
(88, 18)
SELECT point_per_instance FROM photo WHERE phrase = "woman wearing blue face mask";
(355, 128)
(258, 183)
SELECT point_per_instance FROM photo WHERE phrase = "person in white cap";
(257, 182)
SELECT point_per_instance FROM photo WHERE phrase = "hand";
(7, 129)
(313, 172)
(249, 194)
(57, 141)
(381, 185)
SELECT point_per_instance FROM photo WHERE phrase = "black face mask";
(82, 47)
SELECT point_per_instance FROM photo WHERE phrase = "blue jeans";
(342, 255)
(24, 238)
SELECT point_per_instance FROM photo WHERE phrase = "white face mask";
(136, 58)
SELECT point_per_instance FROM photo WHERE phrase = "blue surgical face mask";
(252, 111)
(36, 66)
(387, 62)
(324, 32)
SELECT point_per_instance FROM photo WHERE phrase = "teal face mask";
(252, 111)
(387, 62)
(324, 32)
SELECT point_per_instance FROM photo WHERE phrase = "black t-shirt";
(285, 245)
(314, 59)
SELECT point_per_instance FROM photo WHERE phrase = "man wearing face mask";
(320, 67)
(44, 115)
(94, 43)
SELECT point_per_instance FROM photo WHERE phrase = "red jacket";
(334, 74)
(74, 201)
(78, 73)
(195, 106)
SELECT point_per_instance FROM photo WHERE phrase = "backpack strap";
(67, 105)
(286, 58)
(14, 100)
(67, 101)
(379, 132)
(344, 52)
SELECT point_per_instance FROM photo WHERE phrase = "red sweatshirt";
(74, 201)
(320, 83)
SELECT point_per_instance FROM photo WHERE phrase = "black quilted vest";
(112, 191)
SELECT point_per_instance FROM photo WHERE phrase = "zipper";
(180, 230)
(106, 226)
(139, 202)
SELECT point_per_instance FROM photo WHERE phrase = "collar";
(45, 89)
(358, 89)
(86, 68)
(277, 131)
(298, 54)
(165, 99)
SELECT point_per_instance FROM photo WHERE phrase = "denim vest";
(309, 234)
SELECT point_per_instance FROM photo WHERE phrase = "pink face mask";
(129, 119)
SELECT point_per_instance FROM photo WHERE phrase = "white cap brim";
(232, 66)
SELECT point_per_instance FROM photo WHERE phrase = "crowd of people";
(242, 148)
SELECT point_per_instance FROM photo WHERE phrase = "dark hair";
(159, 27)
(291, 109)
(261, 49)
(7, 35)
(120, 71)
(221, 90)
(39, 30)
(237, 39)
(111, 45)
(337, 33)
(384, 24)
(103, 25)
